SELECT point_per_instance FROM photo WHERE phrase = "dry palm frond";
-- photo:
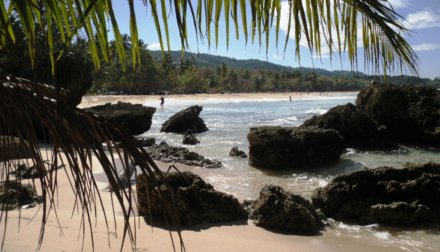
(342, 26)
(77, 136)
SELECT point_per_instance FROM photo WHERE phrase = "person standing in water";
(162, 100)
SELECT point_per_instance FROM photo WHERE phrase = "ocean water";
(229, 122)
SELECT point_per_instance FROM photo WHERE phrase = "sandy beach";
(23, 226)
(91, 100)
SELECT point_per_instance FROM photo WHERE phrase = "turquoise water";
(229, 122)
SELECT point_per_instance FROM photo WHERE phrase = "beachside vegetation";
(77, 135)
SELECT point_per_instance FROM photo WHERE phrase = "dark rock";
(14, 194)
(411, 113)
(235, 152)
(284, 148)
(165, 153)
(408, 196)
(357, 128)
(134, 117)
(14, 148)
(146, 141)
(25, 172)
(187, 119)
(196, 201)
(189, 138)
(280, 210)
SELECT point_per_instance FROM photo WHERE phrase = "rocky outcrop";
(14, 194)
(357, 128)
(134, 117)
(14, 148)
(22, 171)
(235, 152)
(283, 211)
(187, 119)
(189, 138)
(408, 196)
(411, 113)
(167, 154)
(195, 200)
(284, 148)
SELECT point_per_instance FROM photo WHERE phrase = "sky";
(422, 17)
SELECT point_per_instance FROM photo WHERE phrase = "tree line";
(74, 70)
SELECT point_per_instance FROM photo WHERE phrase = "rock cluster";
(235, 152)
(283, 211)
(404, 197)
(166, 153)
(357, 128)
(195, 200)
(14, 194)
(189, 138)
(134, 117)
(283, 148)
(187, 119)
(411, 113)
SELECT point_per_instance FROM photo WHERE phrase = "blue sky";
(422, 17)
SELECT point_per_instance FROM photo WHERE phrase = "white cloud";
(277, 57)
(425, 47)
(154, 46)
(396, 4)
(421, 20)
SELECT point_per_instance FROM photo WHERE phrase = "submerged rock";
(195, 200)
(357, 128)
(189, 138)
(235, 152)
(408, 196)
(280, 210)
(283, 148)
(167, 154)
(187, 119)
(411, 113)
(135, 118)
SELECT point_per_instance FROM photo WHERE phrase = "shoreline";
(93, 100)
(23, 229)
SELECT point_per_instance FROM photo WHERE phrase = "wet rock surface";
(135, 118)
(167, 154)
(402, 197)
(235, 152)
(196, 201)
(283, 211)
(411, 113)
(187, 119)
(189, 138)
(357, 128)
(284, 148)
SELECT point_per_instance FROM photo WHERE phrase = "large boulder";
(170, 154)
(283, 211)
(195, 200)
(283, 148)
(411, 113)
(14, 148)
(357, 128)
(408, 196)
(187, 119)
(134, 117)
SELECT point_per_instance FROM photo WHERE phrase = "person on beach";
(162, 100)
(290, 98)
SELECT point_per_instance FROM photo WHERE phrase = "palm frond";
(75, 136)
(335, 24)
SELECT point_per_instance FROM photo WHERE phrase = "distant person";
(162, 100)
(290, 98)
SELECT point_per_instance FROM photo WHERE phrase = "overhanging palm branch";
(75, 135)
(343, 26)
